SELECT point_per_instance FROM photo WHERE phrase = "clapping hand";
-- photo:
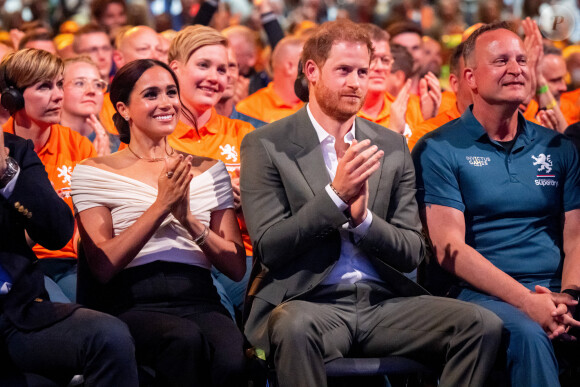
(430, 95)
(173, 185)
(399, 109)
(101, 141)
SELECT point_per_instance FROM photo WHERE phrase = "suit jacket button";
(25, 212)
(21, 209)
(29, 215)
(16, 204)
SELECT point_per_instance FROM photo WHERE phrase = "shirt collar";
(323, 134)
(183, 130)
(526, 132)
(51, 145)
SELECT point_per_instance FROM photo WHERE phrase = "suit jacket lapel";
(363, 132)
(308, 154)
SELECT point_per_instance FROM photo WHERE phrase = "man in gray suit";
(330, 206)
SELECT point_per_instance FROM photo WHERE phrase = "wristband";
(542, 89)
(572, 292)
(575, 295)
(551, 105)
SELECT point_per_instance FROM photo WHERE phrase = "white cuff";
(7, 191)
(342, 206)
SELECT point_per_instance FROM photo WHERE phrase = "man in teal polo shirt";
(501, 203)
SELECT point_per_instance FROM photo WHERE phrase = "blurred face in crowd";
(431, 59)
(113, 17)
(554, 71)
(413, 43)
(83, 89)
(43, 101)
(246, 53)
(46, 45)
(340, 84)
(138, 43)
(98, 47)
(163, 50)
(380, 67)
(204, 77)
(233, 74)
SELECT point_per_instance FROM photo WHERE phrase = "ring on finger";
(170, 174)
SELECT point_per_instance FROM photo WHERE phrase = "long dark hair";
(122, 87)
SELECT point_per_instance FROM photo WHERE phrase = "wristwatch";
(11, 170)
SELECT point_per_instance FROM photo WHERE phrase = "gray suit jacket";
(293, 223)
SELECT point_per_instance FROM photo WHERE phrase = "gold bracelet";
(200, 239)
(337, 194)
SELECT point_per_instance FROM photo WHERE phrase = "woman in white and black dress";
(153, 221)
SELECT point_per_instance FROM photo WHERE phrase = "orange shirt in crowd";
(570, 106)
(220, 138)
(106, 115)
(448, 101)
(413, 116)
(266, 105)
(61, 153)
(432, 124)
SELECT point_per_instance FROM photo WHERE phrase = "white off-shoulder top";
(128, 199)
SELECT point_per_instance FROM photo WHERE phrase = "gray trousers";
(364, 320)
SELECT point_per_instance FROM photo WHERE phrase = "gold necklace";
(154, 159)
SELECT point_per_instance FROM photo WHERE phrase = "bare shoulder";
(201, 164)
(110, 162)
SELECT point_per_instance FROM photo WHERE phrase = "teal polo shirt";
(513, 201)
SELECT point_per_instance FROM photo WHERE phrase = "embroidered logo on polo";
(65, 172)
(544, 163)
(478, 161)
(230, 152)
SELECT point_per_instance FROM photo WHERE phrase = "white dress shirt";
(353, 265)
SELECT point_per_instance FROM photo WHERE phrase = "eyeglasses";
(82, 83)
(385, 60)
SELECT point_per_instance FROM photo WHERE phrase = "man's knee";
(109, 334)
(287, 324)
(480, 322)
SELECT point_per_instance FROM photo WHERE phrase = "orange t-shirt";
(570, 106)
(448, 101)
(432, 124)
(220, 138)
(532, 111)
(266, 105)
(61, 153)
(413, 116)
(106, 115)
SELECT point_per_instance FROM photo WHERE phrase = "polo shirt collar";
(527, 133)
(51, 146)
(383, 114)
(183, 130)
(277, 101)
